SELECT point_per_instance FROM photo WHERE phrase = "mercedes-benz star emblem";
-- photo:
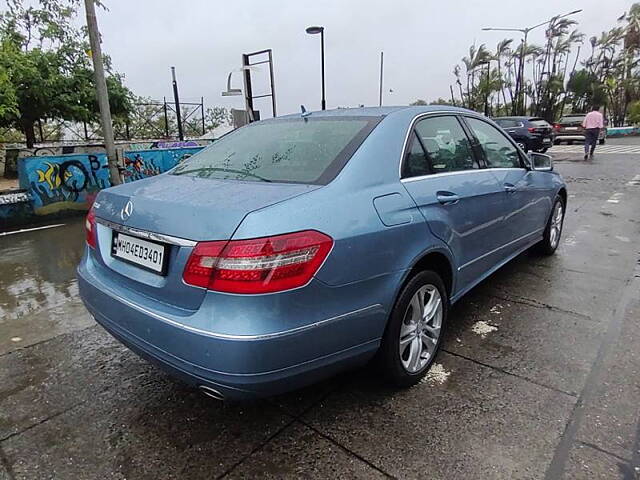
(127, 210)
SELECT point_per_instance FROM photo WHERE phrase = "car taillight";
(90, 228)
(260, 265)
(556, 126)
(531, 129)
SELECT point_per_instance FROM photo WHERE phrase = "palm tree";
(477, 57)
(502, 50)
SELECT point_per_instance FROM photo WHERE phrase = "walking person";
(592, 123)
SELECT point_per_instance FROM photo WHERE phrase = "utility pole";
(101, 92)
(177, 100)
(381, 70)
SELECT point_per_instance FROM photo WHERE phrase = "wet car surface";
(538, 376)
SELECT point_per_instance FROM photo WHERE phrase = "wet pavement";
(539, 376)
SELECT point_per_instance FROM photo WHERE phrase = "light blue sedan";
(296, 247)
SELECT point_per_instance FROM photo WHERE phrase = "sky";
(422, 41)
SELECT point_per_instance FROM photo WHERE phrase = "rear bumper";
(238, 365)
(577, 136)
(538, 143)
(574, 136)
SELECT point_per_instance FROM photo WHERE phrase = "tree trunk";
(28, 128)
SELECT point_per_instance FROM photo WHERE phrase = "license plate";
(571, 128)
(143, 253)
(546, 140)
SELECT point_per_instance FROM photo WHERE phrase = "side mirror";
(540, 162)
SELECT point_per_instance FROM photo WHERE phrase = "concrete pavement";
(539, 376)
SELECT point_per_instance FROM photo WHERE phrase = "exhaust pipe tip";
(211, 392)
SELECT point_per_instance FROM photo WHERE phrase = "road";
(539, 376)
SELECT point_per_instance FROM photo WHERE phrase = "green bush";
(634, 113)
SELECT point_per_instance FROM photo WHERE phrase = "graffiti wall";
(63, 182)
(145, 163)
(71, 182)
(622, 131)
(13, 155)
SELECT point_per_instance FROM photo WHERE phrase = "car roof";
(380, 111)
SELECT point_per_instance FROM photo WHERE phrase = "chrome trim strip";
(438, 175)
(500, 248)
(226, 336)
(158, 237)
(458, 172)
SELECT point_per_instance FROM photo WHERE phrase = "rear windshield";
(508, 123)
(572, 118)
(300, 150)
(539, 122)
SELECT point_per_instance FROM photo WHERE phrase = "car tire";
(543, 150)
(411, 340)
(602, 141)
(553, 230)
(556, 142)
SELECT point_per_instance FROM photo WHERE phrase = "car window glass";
(539, 122)
(299, 150)
(575, 119)
(499, 152)
(446, 144)
(504, 123)
(415, 163)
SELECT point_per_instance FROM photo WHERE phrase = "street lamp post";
(525, 31)
(313, 31)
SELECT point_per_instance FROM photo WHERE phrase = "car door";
(523, 207)
(460, 201)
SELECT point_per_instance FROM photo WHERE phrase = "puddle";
(38, 287)
(38, 269)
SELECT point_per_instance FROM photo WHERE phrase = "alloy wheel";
(420, 329)
(556, 225)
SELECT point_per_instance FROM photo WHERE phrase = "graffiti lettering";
(74, 176)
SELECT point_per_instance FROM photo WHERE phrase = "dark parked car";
(569, 129)
(530, 133)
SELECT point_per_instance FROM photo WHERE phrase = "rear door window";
(415, 163)
(301, 150)
(447, 146)
(499, 152)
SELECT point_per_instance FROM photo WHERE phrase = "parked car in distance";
(569, 129)
(530, 133)
(296, 247)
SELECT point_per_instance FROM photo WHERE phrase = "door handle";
(447, 198)
(510, 188)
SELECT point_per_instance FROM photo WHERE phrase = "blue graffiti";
(146, 163)
(69, 180)
(72, 181)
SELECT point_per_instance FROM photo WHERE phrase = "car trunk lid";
(174, 212)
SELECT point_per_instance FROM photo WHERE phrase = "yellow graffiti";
(50, 175)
